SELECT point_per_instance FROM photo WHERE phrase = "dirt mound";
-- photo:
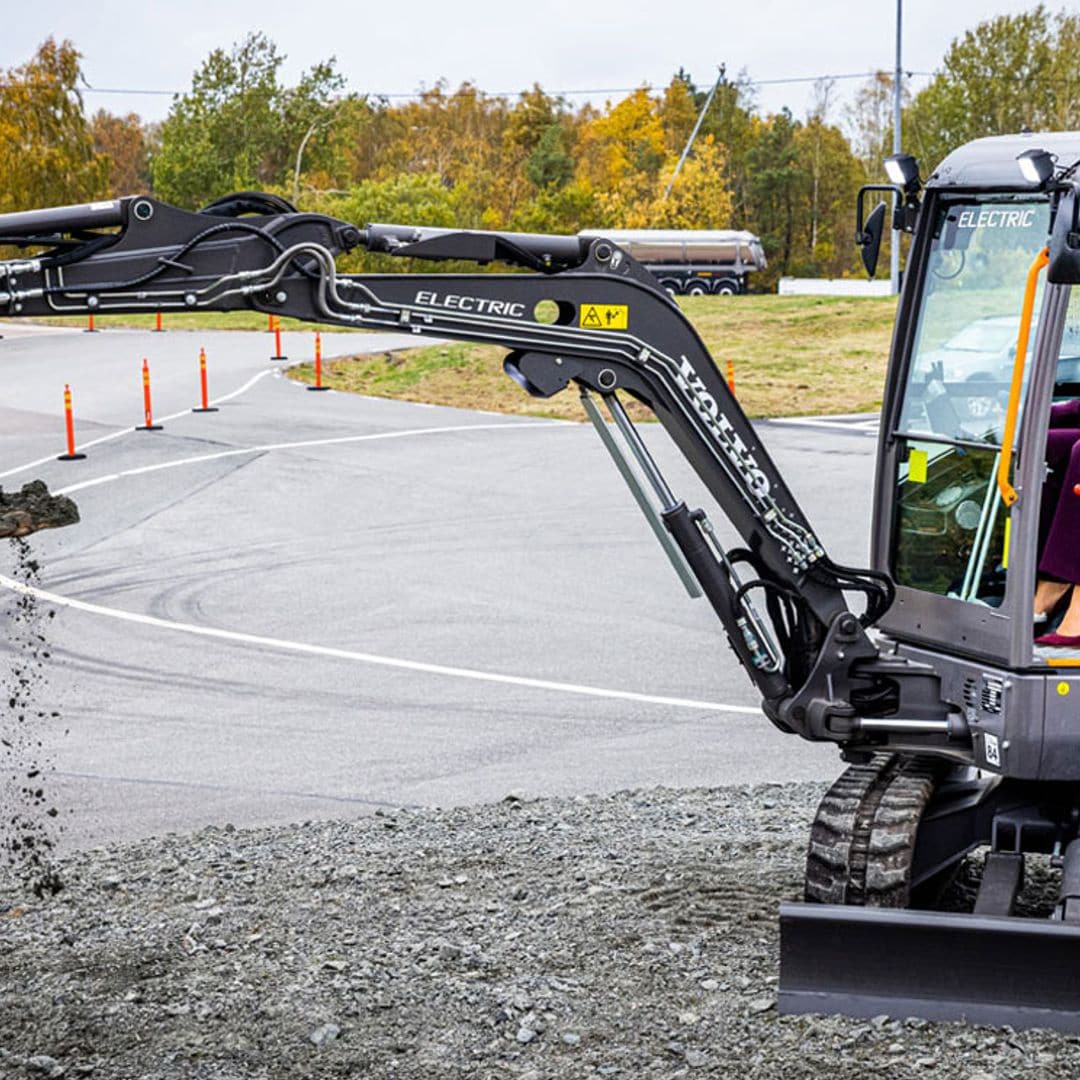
(33, 508)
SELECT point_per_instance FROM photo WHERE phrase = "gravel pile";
(620, 936)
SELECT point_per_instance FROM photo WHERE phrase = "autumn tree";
(238, 127)
(122, 140)
(622, 152)
(699, 197)
(731, 122)
(47, 154)
(870, 122)
(1007, 74)
(678, 111)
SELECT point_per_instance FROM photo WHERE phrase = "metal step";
(983, 969)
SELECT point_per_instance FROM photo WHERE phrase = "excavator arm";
(583, 313)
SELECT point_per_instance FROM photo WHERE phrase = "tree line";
(458, 156)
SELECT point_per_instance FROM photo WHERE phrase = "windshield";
(951, 529)
(965, 339)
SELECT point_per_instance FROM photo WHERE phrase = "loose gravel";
(28, 819)
(621, 936)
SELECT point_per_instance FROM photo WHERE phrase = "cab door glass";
(952, 531)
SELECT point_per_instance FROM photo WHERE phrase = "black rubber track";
(863, 838)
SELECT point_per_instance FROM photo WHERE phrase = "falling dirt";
(28, 820)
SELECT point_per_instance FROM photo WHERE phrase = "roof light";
(903, 170)
(1036, 166)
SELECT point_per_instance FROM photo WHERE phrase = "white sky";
(396, 47)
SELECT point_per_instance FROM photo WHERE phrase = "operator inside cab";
(1057, 595)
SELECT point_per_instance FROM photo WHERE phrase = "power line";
(398, 95)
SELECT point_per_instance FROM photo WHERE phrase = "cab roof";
(991, 162)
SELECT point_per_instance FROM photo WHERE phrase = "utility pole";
(894, 248)
(693, 134)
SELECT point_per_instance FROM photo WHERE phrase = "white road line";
(324, 650)
(127, 431)
(367, 658)
(338, 439)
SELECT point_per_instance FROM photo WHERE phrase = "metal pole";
(693, 134)
(894, 252)
(300, 157)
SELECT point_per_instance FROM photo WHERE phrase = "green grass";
(791, 355)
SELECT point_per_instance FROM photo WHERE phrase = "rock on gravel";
(631, 935)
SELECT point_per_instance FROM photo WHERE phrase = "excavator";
(961, 735)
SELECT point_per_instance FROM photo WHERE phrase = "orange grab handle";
(1008, 492)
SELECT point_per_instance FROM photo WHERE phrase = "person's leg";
(1061, 556)
(1059, 502)
(1048, 595)
(1070, 625)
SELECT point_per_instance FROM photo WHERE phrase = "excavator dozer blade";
(982, 969)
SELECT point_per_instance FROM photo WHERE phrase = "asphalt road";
(311, 605)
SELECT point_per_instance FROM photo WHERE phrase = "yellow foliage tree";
(700, 198)
(46, 151)
(621, 154)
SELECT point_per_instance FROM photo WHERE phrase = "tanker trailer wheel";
(697, 288)
(862, 842)
(727, 288)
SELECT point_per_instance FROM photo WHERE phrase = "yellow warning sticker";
(604, 316)
(1063, 689)
(916, 466)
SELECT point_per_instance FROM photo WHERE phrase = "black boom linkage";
(586, 314)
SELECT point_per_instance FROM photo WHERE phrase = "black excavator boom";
(587, 314)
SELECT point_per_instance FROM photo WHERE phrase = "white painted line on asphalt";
(127, 431)
(336, 440)
(366, 658)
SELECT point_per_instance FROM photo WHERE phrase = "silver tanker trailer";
(693, 262)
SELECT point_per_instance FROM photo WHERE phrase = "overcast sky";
(397, 46)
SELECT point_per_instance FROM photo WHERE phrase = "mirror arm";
(861, 237)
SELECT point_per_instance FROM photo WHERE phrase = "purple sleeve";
(1065, 414)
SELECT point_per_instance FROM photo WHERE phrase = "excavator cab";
(987, 340)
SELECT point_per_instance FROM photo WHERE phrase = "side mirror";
(868, 236)
(1064, 267)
